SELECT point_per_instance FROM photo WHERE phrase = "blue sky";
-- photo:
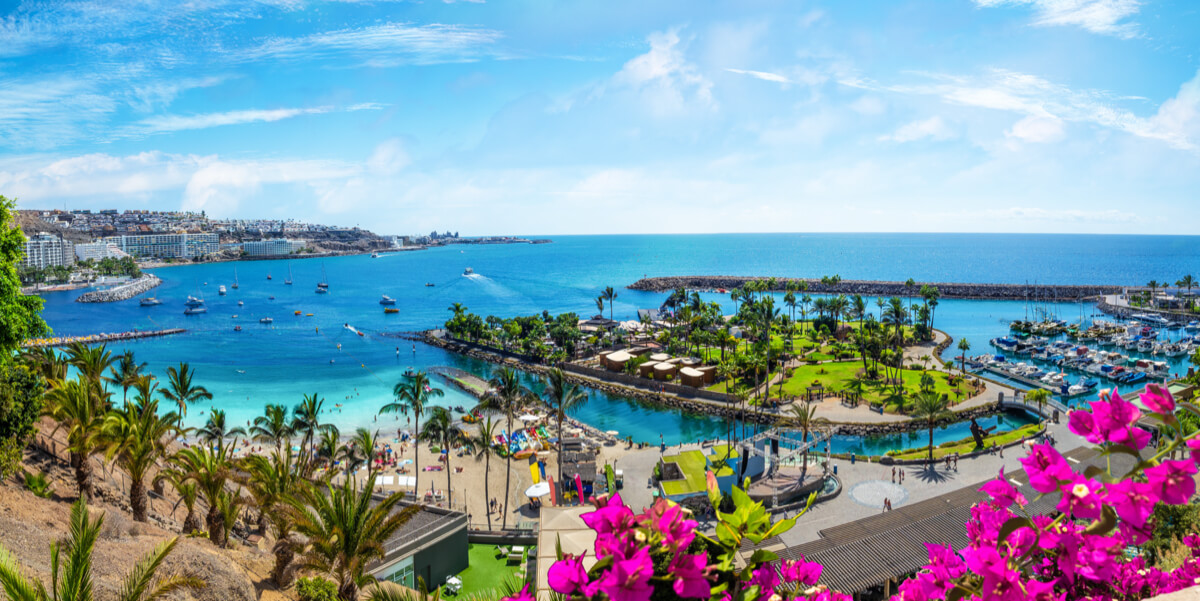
(612, 117)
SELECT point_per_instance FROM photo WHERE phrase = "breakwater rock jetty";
(122, 292)
(874, 288)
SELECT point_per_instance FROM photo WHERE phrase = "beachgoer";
(893, 475)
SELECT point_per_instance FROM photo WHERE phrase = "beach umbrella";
(579, 487)
(529, 417)
(540, 489)
(611, 432)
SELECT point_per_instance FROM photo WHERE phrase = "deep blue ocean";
(298, 355)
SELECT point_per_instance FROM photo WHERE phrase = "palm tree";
(330, 446)
(412, 394)
(1153, 285)
(562, 396)
(964, 346)
(600, 304)
(346, 531)
(46, 362)
(273, 427)
(187, 491)
(362, 447)
(215, 430)
(137, 438)
(1039, 396)
(74, 407)
(71, 580)
(209, 469)
(126, 373)
(929, 406)
(484, 449)
(271, 483)
(805, 418)
(180, 389)
(457, 309)
(506, 394)
(441, 430)
(306, 421)
(91, 361)
(609, 295)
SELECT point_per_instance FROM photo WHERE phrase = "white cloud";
(664, 75)
(868, 105)
(763, 75)
(1037, 129)
(169, 123)
(384, 45)
(933, 128)
(1110, 17)
(1176, 123)
(388, 158)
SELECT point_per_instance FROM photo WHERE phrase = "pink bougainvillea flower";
(1110, 420)
(1041, 591)
(1172, 482)
(1002, 492)
(801, 571)
(1133, 501)
(944, 563)
(766, 579)
(567, 575)
(629, 578)
(611, 516)
(676, 531)
(1158, 399)
(1193, 445)
(689, 572)
(1045, 468)
(1079, 498)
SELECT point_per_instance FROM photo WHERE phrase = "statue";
(978, 432)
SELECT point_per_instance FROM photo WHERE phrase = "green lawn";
(486, 572)
(967, 445)
(835, 376)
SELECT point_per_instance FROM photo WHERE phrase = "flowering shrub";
(1079, 554)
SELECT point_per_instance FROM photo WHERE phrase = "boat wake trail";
(491, 286)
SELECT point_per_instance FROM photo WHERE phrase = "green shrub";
(316, 589)
(39, 485)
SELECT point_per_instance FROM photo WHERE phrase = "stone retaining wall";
(877, 288)
(122, 292)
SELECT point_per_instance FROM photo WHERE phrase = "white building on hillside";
(277, 247)
(98, 251)
(47, 250)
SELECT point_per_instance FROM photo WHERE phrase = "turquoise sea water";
(281, 362)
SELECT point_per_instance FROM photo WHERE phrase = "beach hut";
(615, 361)
(710, 373)
(646, 370)
(689, 376)
(664, 370)
(659, 357)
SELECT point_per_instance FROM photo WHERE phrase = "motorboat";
(195, 310)
(374, 255)
(237, 328)
(270, 298)
(194, 302)
(1192, 326)
(149, 301)
(391, 310)
(297, 312)
(429, 284)
(1157, 320)
(322, 290)
(240, 303)
(266, 320)
(387, 300)
(221, 290)
(468, 271)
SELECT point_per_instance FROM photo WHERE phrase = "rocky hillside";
(28, 525)
(31, 224)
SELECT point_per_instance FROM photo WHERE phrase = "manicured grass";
(692, 464)
(486, 572)
(967, 445)
(836, 375)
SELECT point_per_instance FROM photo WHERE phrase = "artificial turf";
(485, 571)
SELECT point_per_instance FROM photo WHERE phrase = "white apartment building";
(47, 250)
(167, 246)
(98, 251)
(272, 248)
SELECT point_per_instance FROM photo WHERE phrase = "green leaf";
(1012, 525)
(762, 556)
(1093, 471)
(1105, 524)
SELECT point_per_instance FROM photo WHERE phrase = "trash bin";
(852, 458)
(835, 470)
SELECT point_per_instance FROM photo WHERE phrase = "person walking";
(893, 474)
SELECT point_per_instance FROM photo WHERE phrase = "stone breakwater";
(875, 288)
(122, 292)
